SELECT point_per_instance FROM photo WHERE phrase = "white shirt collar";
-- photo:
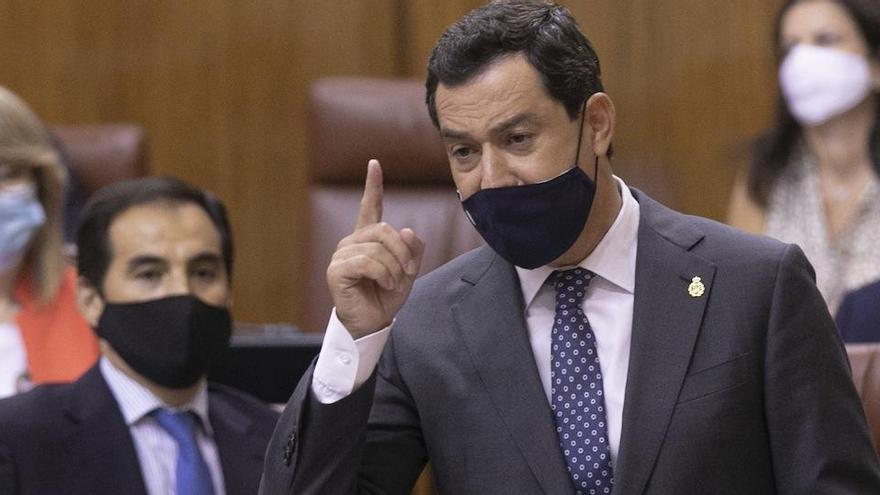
(136, 401)
(613, 259)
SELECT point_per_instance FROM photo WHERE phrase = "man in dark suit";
(155, 257)
(600, 341)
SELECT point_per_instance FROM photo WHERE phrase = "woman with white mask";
(813, 178)
(43, 338)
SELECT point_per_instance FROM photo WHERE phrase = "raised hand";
(373, 269)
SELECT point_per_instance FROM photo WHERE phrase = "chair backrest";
(352, 120)
(100, 154)
(864, 359)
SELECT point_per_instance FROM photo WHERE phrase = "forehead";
(508, 87)
(810, 16)
(162, 229)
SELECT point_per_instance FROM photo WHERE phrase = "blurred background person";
(813, 178)
(43, 337)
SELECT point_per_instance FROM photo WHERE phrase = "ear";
(601, 118)
(90, 302)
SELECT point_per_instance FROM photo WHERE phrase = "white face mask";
(820, 83)
(21, 215)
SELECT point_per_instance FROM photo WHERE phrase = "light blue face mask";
(21, 215)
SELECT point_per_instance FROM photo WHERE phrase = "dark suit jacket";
(72, 439)
(858, 317)
(743, 390)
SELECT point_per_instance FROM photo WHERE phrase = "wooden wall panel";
(692, 81)
(220, 87)
(692, 85)
(425, 21)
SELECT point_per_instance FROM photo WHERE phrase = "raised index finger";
(371, 204)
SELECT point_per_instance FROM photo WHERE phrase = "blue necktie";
(576, 387)
(193, 476)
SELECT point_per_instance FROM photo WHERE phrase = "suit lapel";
(490, 319)
(241, 453)
(99, 441)
(666, 322)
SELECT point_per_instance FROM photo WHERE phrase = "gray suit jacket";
(744, 390)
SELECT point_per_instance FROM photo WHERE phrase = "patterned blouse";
(795, 214)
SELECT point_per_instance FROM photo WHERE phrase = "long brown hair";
(772, 151)
(25, 142)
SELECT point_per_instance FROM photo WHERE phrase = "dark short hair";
(93, 239)
(546, 33)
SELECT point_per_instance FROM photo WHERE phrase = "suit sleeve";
(369, 442)
(818, 433)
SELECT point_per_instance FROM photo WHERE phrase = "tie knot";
(181, 425)
(570, 285)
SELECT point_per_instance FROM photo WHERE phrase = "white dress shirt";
(13, 360)
(156, 449)
(344, 364)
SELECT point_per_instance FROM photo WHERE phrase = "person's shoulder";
(21, 407)
(461, 271)
(242, 402)
(34, 414)
(728, 243)
(712, 240)
(233, 409)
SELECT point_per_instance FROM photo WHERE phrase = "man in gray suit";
(600, 341)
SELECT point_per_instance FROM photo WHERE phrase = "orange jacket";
(59, 343)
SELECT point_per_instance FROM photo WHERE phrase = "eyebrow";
(506, 126)
(145, 259)
(206, 257)
(501, 128)
(452, 135)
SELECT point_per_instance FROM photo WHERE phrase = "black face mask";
(170, 341)
(534, 224)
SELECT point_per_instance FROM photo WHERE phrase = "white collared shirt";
(13, 359)
(156, 449)
(608, 305)
(344, 364)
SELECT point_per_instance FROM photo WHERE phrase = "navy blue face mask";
(534, 224)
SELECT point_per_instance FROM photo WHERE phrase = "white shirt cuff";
(344, 364)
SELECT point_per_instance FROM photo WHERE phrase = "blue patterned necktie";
(576, 387)
(193, 476)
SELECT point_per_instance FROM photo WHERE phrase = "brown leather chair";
(100, 154)
(864, 359)
(352, 120)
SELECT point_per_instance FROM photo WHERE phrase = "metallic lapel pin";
(696, 288)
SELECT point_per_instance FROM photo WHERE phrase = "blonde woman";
(43, 338)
